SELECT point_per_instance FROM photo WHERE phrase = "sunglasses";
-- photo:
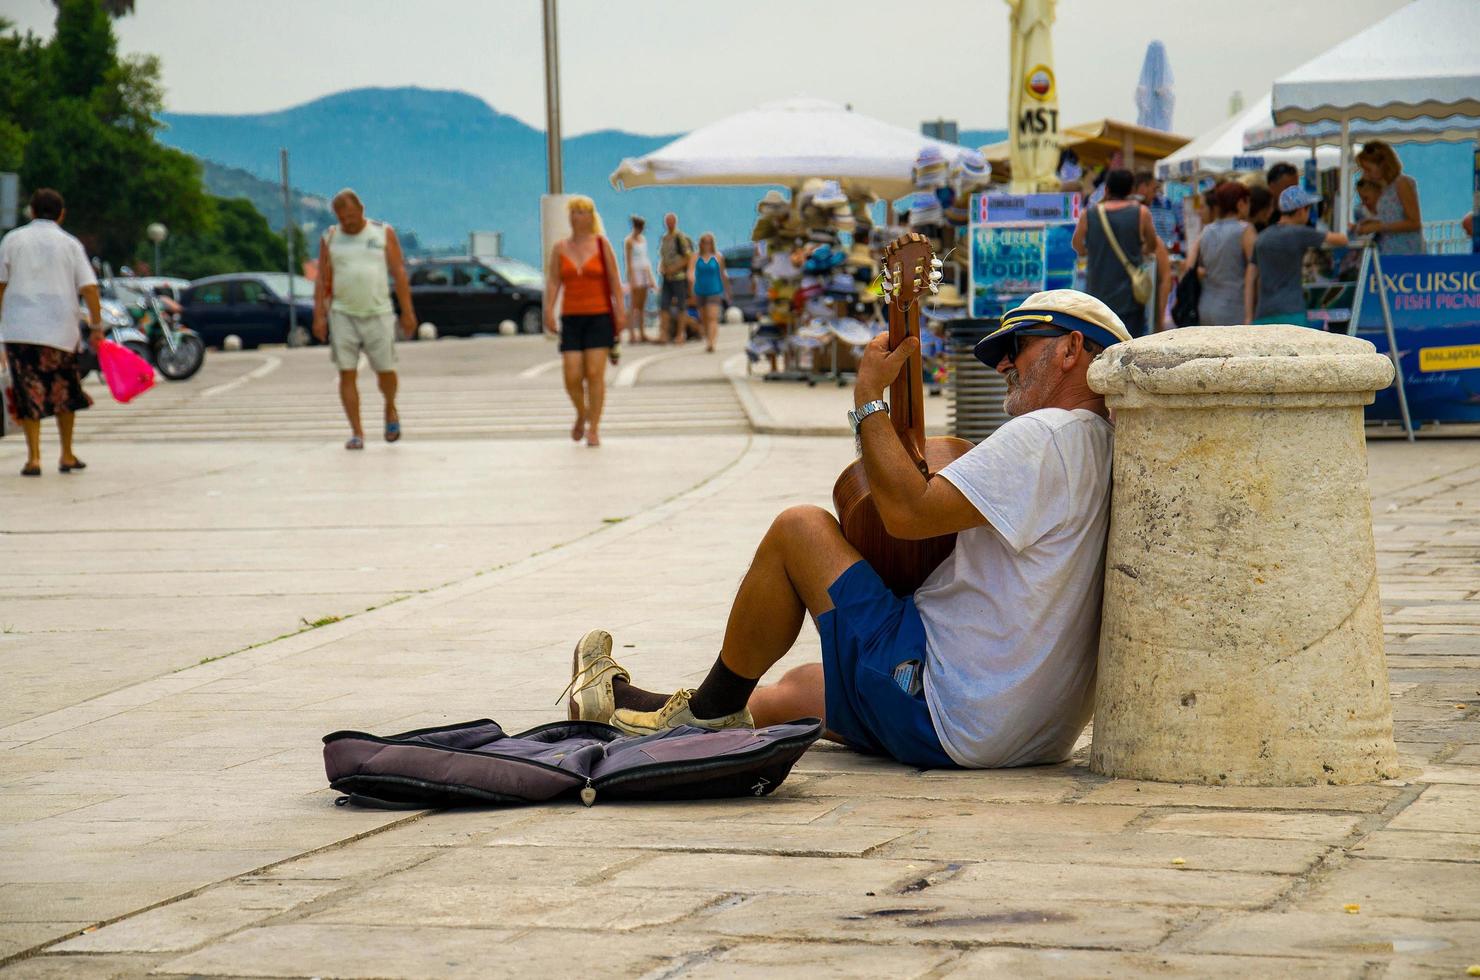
(1015, 345)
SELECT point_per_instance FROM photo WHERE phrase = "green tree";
(82, 52)
(88, 130)
(234, 238)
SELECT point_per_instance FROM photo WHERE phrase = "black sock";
(635, 698)
(723, 692)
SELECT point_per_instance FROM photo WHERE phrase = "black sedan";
(462, 296)
(253, 305)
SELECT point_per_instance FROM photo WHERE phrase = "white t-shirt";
(1012, 616)
(42, 267)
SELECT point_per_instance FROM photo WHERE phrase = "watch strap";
(857, 415)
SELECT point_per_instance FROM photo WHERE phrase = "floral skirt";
(44, 381)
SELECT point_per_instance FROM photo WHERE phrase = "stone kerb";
(1241, 641)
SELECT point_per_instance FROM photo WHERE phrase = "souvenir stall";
(793, 143)
(1415, 66)
(1018, 244)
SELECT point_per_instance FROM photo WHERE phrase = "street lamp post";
(556, 178)
(157, 233)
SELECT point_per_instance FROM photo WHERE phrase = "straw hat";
(773, 204)
(948, 296)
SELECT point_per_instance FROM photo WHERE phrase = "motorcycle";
(154, 330)
(173, 348)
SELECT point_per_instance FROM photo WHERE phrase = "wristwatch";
(857, 415)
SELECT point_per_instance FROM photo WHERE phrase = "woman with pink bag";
(42, 271)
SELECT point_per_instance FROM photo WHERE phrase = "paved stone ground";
(162, 807)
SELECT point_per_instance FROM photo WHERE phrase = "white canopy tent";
(785, 143)
(1221, 149)
(1424, 129)
(1418, 61)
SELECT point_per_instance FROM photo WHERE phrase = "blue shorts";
(868, 635)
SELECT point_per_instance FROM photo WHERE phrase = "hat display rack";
(817, 266)
(939, 209)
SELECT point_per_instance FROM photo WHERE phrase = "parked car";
(739, 262)
(462, 295)
(252, 305)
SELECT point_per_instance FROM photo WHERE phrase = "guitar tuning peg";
(936, 263)
(936, 276)
(934, 288)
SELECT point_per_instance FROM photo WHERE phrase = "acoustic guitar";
(909, 271)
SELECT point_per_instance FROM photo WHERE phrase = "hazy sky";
(661, 66)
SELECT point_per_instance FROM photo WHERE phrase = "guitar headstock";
(910, 268)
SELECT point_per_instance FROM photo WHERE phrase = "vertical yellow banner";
(1033, 98)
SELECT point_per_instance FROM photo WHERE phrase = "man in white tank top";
(352, 307)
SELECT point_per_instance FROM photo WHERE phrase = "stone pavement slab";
(174, 809)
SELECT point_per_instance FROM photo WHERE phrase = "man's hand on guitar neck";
(880, 366)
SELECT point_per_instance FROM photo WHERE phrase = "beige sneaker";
(673, 714)
(591, 672)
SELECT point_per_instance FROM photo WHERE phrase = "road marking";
(544, 367)
(270, 363)
(628, 375)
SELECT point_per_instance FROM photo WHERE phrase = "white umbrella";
(1221, 149)
(785, 143)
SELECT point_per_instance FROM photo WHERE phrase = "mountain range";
(441, 164)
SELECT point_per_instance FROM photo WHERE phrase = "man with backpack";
(674, 250)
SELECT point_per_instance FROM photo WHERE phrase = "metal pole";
(288, 236)
(157, 271)
(1387, 322)
(556, 178)
(1343, 190)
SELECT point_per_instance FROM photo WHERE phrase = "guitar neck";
(906, 394)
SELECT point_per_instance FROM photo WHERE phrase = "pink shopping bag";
(128, 375)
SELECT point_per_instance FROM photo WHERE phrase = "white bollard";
(231, 342)
(508, 328)
(733, 314)
(427, 331)
(1241, 636)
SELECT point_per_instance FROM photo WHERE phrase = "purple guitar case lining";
(476, 763)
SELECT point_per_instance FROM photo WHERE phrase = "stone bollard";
(1241, 641)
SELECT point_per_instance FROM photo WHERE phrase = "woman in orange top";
(581, 278)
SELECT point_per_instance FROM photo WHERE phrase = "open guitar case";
(476, 763)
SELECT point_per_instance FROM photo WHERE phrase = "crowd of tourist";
(1245, 258)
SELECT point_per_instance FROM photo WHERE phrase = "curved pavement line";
(270, 363)
(544, 367)
(628, 375)
(391, 611)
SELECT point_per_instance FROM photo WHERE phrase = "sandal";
(29, 470)
(355, 442)
(76, 464)
(393, 431)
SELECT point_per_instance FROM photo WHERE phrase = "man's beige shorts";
(375, 335)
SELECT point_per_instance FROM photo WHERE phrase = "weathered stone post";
(1241, 641)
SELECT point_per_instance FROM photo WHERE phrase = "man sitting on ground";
(992, 661)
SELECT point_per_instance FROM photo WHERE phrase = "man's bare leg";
(349, 397)
(802, 554)
(388, 383)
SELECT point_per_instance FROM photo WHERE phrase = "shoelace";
(601, 666)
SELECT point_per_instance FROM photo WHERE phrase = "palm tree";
(115, 8)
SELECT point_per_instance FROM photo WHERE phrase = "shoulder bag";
(1140, 275)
